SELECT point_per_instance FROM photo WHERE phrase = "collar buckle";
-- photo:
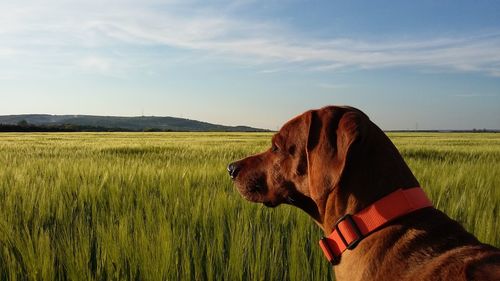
(356, 227)
(348, 218)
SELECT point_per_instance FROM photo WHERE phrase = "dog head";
(305, 160)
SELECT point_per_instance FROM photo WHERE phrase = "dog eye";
(274, 148)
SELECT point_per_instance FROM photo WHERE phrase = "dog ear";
(332, 131)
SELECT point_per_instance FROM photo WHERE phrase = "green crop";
(160, 206)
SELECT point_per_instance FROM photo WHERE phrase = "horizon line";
(481, 129)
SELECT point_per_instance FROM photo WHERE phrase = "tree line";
(24, 126)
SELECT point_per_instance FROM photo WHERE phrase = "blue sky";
(407, 64)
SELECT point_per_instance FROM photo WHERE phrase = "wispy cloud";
(272, 70)
(79, 29)
(7, 52)
(102, 65)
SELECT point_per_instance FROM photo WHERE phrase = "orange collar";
(350, 229)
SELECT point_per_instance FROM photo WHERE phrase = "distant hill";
(116, 123)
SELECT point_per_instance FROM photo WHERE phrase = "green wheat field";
(160, 206)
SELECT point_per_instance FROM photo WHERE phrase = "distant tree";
(151, 130)
(23, 123)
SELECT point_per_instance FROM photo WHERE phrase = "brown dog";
(335, 161)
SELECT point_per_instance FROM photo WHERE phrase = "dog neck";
(374, 169)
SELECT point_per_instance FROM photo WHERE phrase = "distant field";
(160, 206)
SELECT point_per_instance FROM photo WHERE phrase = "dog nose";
(233, 170)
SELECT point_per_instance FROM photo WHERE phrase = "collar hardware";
(348, 218)
(350, 229)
